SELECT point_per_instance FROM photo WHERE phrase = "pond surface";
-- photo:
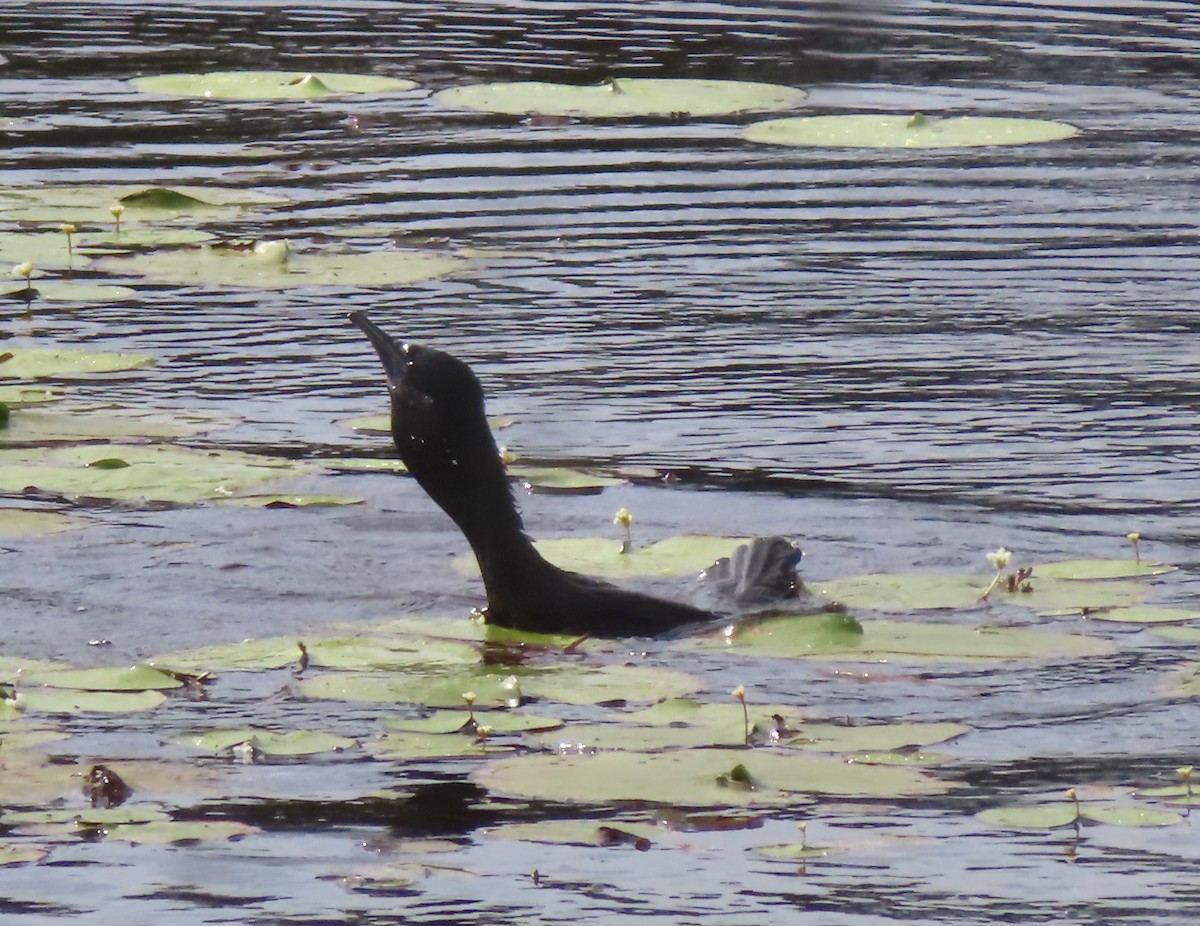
(904, 359)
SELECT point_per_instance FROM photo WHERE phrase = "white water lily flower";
(1000, 558)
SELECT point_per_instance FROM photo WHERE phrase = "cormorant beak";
(393, 355)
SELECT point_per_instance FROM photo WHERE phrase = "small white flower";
(23, 270)
(1000, 558)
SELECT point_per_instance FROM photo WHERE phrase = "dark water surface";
(903, 358)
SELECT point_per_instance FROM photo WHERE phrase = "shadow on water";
(904, 358)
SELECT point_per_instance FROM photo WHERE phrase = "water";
(904, 358)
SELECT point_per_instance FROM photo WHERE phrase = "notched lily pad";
(697, 777)
(604, 833)
(178, 832)
(674, 556)
(65, 291)
(73, 422)
(272, 265)
(1064, 813)
(39, 362)
(562, 479)
(623, 97)
(916, 131)
(268, 85)
(134, 678)
(1101, 569)
(267, 742)
(68, 701)
(1144, 614)
(19, 522)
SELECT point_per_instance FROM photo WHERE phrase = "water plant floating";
(916, 131)
(274, 265)
(104, 205)
(65, 363)
(269, 85)
(633, 96)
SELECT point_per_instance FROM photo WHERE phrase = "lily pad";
(1182, 682)
(1144, 614)
(93, 204)
(85, 816)
(365, 465)
(36, 362)
(161, 473)
(1181, 634)
(248, 655)
(1101, 569)
(583, 833)
(26, 396)
(697, 777)
(506, 686)
(44, 249)
(21, 853)
(268, 742)
(562, 479)
(674, 556)
(175, 832)
(340, 653)
(141, 236)
(134, 678)
(926, 591)
(63, 291)
(908, 641)
(917, 131)
(455, 721)
(268, 85)
(72, 423)
(271, 265)
(623, 97)
(1063, 813)
(407, 745)
(19, 522)
(290, 501)
(68, 701)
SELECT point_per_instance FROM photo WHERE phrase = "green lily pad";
(365, 465)
(43, 249)
(160, 472)
(248, 655)
(1100, 569)
(562, 479)
(505, 686)
(18, 522)
(793, 852)
(454, 721)
(909, 641)
(26, 396)
(1182, 682)
(872, 131)
(1063, 813)
(1144, 614)
(61, 291)
(68, 701)
(623, 97)
(271, 265)
(174, 832)
(268, 742)
(93, 204)
(139, 237)
(340, 653)
(600, 556)
(1180, 634)
(268, 85)
(922, 591)
(72, 423)
(35, 363)
(134, 678)
(289, 501)
(799, 635)
(407, 745)
(583, 833)
(693, 777)
(21, 853)
(85, 816)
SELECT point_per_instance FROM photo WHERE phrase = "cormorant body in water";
(443, 438)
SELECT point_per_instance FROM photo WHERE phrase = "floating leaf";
(134, 678)
(67, 701)
(21, 853)
(623, 97)
(1100, 569)
(793, 852)
(92, 204)
(35, 363)
(85, 816)
(1063, 813)
(270, 265)
(268, 85)
(690, 778)
(67, 422)
(907, 641)
(800, 635)
(270, 653)
(289, 501)
(44, 250)
(921, 591)
(871, 131)
(161, 473)
(562, 479)
(600, 556)
(1184, 681)
(24, 396)
(406, 745)
(172, 832)
(62, 291)
(141, 236)
(18, 522)
(1182, 634)
(365, 465)
(455, 721)
(336, 652)
(1145, 614)
(1130, 816)
(582, 833)
(268, 742)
